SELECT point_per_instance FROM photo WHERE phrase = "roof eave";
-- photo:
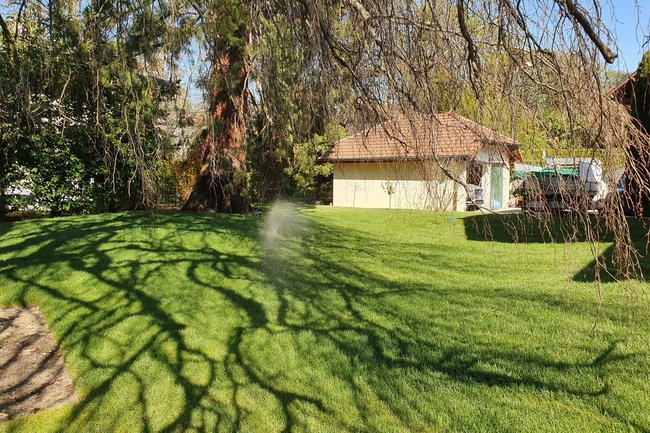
(510, 144)
(392, 159)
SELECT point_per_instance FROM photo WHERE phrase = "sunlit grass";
(328, 319)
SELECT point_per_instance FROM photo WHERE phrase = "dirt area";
(32, 373)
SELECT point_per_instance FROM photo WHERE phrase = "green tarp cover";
(548, 172)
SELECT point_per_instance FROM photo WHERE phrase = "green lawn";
(328, 319)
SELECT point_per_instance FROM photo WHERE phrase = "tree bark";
(9, 39)
(222, 181)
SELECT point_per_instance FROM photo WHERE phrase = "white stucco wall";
(413, 185)
(416, 185)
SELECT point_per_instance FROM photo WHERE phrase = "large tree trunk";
(221, 183)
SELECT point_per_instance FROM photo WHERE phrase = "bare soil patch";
(32, 372)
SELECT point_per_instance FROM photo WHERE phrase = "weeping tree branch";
(472, 56)
(575, 11)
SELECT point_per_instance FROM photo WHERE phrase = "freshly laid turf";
(330, 320)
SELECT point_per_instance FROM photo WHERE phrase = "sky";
(629, 22)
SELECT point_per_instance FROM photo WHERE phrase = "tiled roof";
(447, 135)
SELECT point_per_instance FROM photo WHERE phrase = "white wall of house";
(417, 185)
(411, 185)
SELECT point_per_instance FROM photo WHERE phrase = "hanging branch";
(575, 11)
(472, 57)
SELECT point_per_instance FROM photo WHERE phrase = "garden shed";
(406, 163)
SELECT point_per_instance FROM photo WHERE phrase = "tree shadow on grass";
(83, 318)
(531, 229)
(605, 267)
(194, 324)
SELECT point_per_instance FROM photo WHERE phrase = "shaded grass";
(342, 320)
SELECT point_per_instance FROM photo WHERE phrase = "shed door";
(496, 186)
